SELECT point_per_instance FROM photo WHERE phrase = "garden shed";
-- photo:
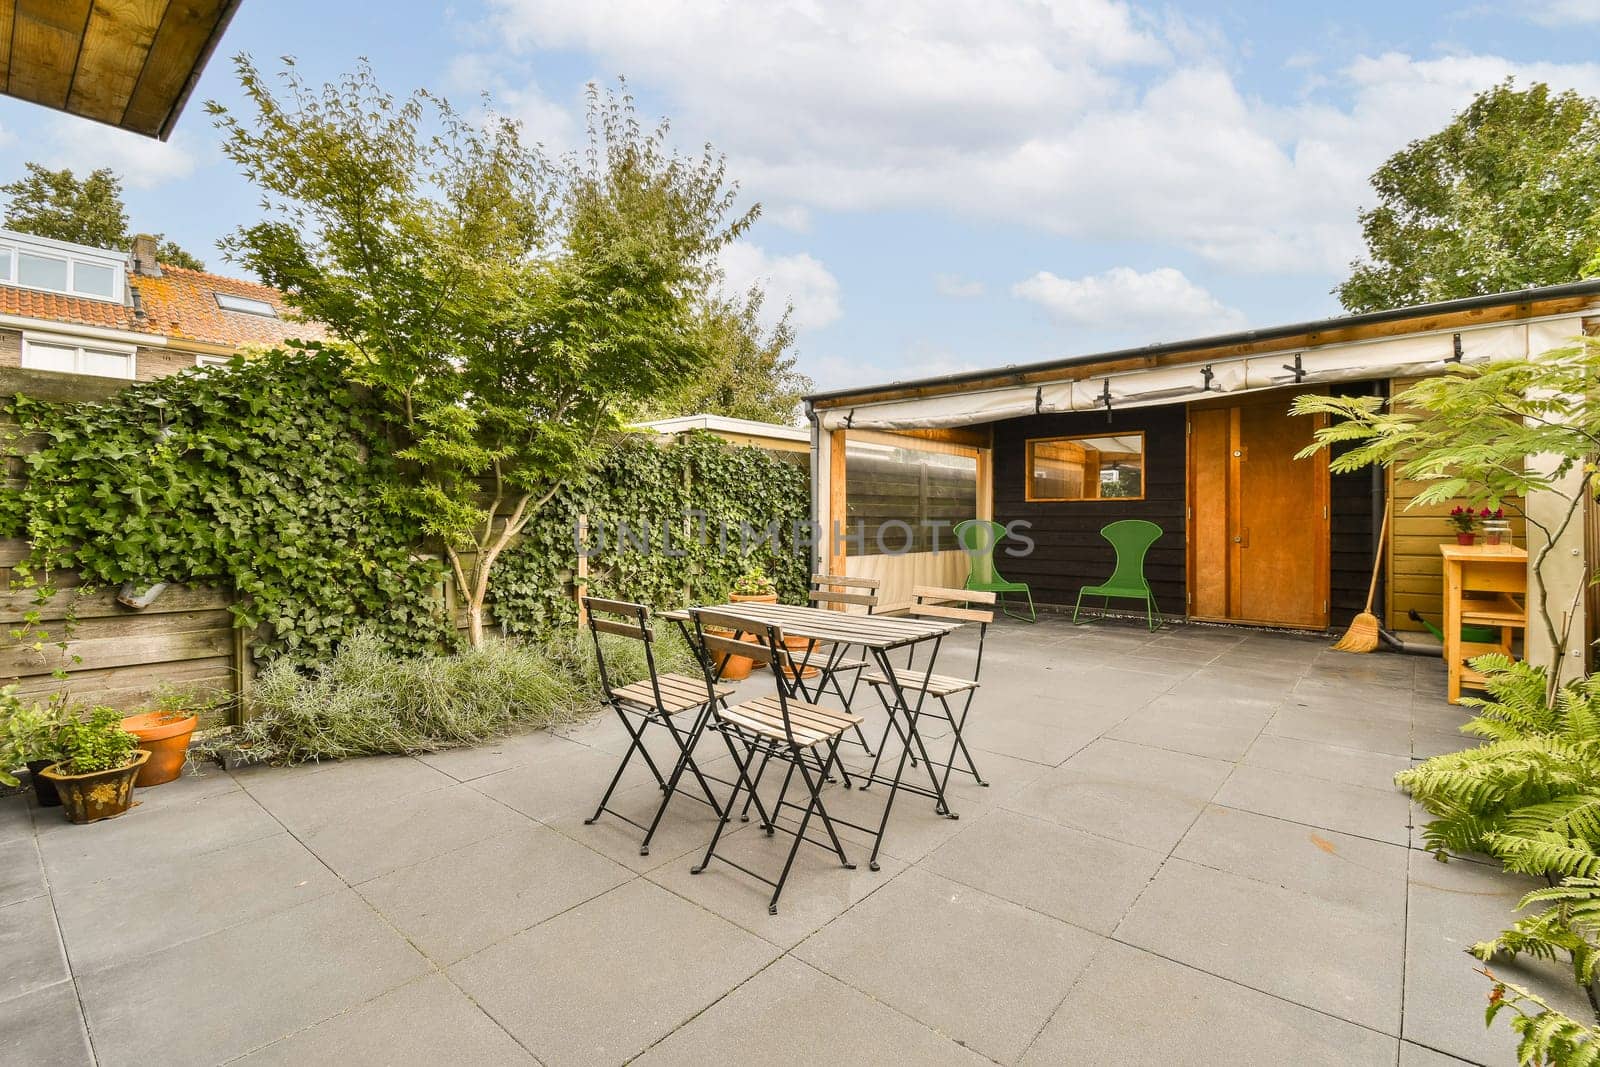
(1195, 436)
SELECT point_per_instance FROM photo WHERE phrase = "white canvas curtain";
(1400, 357)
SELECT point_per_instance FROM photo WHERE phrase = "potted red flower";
(1464, 520)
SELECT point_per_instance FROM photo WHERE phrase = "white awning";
(1414, 355)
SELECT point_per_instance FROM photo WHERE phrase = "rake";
(1362, 636)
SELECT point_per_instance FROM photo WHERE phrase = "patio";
(1191, 852)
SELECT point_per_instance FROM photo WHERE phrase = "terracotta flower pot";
(166, 739)
(737, 668)
(1466, 538)
(99, 794)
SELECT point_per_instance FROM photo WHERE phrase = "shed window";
(1109, 467)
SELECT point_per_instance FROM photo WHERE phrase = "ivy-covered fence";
(271, 483)
(663, 525)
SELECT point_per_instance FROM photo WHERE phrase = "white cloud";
(143, 162)
(1558, 13)
(832, 371)
(792, 217)
(798, 279)
(1087, 118)
(956, 287)
(1161, 302)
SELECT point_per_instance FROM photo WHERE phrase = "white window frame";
(80, 346)
(23, 243)
(211, 361)
(267, 310)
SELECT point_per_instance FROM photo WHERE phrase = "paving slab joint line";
(432, 965)
(1256, 989)
(61, 942)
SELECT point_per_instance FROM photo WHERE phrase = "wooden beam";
(837, 517)
(1182, 357)
(182, 43)
(45, 40)
(116, 43)
(8, 12)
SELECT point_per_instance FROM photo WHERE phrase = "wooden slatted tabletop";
(834, 627)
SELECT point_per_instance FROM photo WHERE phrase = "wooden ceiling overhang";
(128, 63)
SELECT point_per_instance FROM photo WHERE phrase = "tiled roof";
(56, 307)
(180, 305)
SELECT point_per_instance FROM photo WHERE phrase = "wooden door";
(1258, 518)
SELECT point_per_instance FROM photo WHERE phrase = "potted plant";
(165, 733)
(1464, 519)
(755, 586)
(30, 736)
(101, 759)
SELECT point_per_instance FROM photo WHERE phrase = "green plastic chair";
(1132, 539)
(978, 539)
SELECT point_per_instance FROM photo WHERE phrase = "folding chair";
(839, 590)
(933, 602)
(778, 727)
(658, 700)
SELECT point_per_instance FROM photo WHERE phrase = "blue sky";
(944, 186)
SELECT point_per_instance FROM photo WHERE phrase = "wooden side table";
(1484, 585)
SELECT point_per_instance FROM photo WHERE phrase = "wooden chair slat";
(622, 629)
(615, 607)
(740, 623)
(937, 592)
(943, 611)
(845, 581)
(727, 646)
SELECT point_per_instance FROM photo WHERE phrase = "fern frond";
(1542, 854)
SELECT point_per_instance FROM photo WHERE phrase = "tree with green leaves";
(750, 369)
(1505, 196)
(85, 211)
(509, 306)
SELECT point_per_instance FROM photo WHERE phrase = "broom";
(1363, 633)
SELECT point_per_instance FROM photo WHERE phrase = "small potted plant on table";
(1465, 520)
(101, 759)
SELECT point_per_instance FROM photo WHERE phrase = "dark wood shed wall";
(1068, 549)
(1355, 502)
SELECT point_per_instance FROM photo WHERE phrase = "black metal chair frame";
(649, 714)
(932, 602)
(767, 651)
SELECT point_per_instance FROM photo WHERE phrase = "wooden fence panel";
(115, 655)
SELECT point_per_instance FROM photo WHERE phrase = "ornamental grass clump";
(367, 700)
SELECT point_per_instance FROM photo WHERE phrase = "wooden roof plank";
(45, 40)
(181, 44)
(7, 17)
(111, 58)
